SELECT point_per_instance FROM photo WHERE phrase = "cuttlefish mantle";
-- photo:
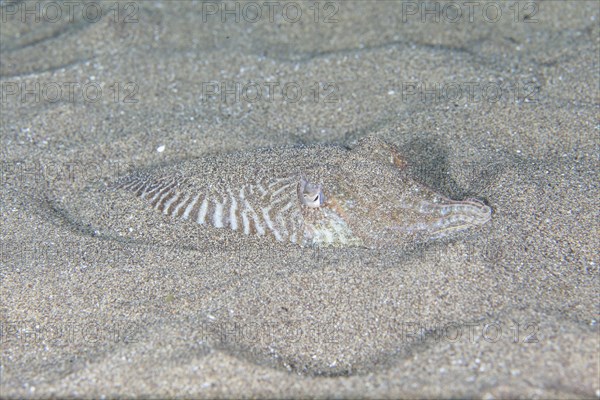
(357, 197)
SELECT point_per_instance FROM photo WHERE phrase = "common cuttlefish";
(362, 197)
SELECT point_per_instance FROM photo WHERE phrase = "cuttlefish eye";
(307, 198)
(311, 195)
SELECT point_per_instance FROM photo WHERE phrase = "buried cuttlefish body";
(359, 197)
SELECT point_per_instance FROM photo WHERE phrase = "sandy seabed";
(102, 296)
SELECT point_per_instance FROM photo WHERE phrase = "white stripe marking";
(281, 220)
(218, 215)
(158, 186)
(146, 191)
(202, 212)
(176, 209)
(169, 202)
(232, 217)
(278, 192)
(188, 209)
(137, 185)
(248, 209)
(276, 182)
(265, 213)
(262, 189)
(162, 194)
(246, 223)
(131, 184)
